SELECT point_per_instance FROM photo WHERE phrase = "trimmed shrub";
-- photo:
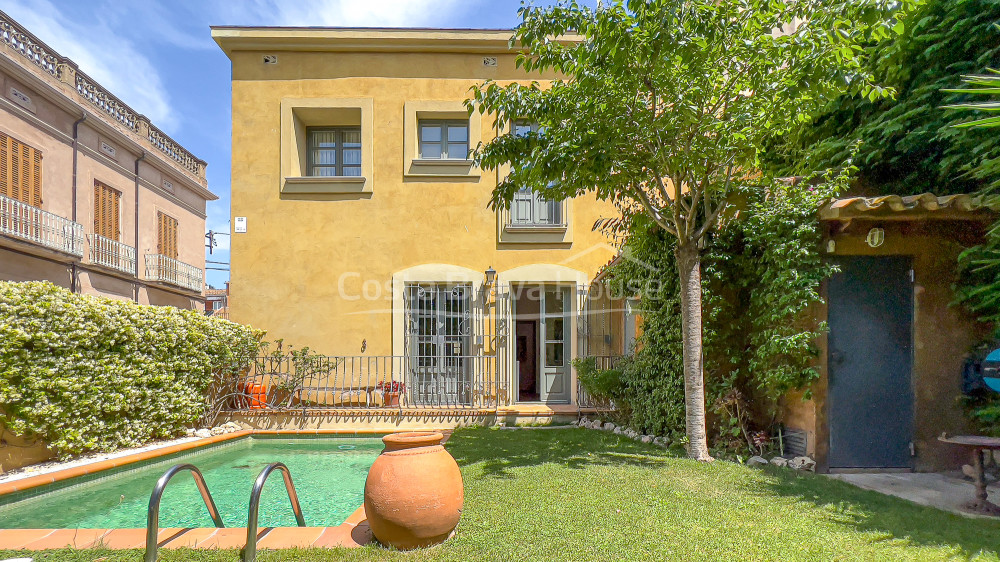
(84, 373)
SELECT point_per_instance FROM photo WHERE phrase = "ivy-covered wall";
(81, 373)
(760, 276)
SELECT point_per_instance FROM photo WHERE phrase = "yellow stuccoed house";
(363, 231)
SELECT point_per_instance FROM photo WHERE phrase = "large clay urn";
(414, 494)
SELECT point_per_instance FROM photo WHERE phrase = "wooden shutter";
(107, 211)
(166, 227)
(20, 171)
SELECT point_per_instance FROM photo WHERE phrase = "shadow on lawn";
(499, 451)
(898, 519)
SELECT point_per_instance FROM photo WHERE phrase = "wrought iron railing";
(111, 254)
(290, 382)
(168, 270)
(583, 398)
(19, 220)
(46, 58)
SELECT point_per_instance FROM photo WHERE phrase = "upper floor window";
(20, 171)
(445, 140)
(529, 208)
(166, 235)
(334, 151)
(107, 211)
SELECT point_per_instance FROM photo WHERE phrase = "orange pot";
(414, 494)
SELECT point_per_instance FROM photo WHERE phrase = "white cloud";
(103, 54)
(343, 13)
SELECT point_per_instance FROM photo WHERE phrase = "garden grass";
(576, 494)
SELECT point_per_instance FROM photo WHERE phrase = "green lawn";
(577, 494)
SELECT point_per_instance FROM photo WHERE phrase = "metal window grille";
(439, 343)
(334, 151)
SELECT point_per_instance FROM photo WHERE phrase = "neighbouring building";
(363, 231)
(93, 197)
(217, 301)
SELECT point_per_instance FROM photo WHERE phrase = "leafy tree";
(907, 145)
(979, 286)
(666, 107)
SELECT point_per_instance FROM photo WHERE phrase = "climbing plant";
(762, 275)
(907, 144)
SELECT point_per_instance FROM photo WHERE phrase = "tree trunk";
(689, 268)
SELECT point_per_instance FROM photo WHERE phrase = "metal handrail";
(249, 553)
(153, 515)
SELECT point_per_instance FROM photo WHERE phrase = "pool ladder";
(249, 552)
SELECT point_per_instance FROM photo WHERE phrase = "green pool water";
(329, 475)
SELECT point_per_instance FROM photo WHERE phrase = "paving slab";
(943, 491)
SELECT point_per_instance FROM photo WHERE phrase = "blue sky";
(159, 57)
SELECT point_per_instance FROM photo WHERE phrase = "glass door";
(439, 334)
(554, 320)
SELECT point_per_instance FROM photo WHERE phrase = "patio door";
(870, 396)
(554, 329)
(439, 342)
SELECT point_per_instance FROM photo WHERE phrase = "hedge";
(82, 373)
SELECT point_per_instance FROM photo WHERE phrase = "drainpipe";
(135, 284)
(76, 145)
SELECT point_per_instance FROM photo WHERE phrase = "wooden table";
(978, 443)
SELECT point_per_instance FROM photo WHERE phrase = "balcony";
(168, 270)
(43, 228)
(112, 254)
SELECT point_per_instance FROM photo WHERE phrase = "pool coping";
(353, 532)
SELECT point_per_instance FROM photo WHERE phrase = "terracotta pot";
(390, 398)
(414, 494)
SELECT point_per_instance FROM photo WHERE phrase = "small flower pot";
(390, 398)
(414, 493)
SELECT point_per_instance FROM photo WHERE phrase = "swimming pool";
(329, 476)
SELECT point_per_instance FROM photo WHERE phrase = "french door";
(554, 364)
(439, 343)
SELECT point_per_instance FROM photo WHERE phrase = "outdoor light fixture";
(491, 275)
(875, 238)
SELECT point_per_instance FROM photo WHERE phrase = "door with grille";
(439, 344)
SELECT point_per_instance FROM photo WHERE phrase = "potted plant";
(391, 391)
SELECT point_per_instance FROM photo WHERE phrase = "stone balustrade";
(66, 71)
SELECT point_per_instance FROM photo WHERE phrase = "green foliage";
(82, 373)
(762, 275)
(664, 92)
(908, 145)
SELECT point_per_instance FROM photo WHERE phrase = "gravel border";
(55, 465)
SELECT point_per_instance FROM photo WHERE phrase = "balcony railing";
(32, 224)
(168, 270)
(111, 253)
